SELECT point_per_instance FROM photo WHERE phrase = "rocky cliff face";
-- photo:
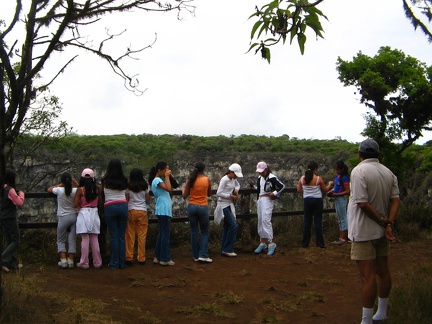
(37, 176)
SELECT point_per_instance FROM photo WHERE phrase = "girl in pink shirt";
(10, 199)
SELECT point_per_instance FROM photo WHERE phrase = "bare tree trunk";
(2, 166)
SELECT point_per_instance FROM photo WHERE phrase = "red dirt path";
(294, 286)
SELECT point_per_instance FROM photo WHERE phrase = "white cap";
(236, 168)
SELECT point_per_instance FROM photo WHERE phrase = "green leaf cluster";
(282, 19)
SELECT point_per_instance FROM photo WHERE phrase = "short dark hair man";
(372, 210)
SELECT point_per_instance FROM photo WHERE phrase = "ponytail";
(66, 180)
(199, 167)
(311, 167)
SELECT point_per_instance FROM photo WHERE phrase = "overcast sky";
(200, 80)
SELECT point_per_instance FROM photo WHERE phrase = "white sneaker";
(208, 260)
(63, 264)
(155, 260)
(229, 254)
(168, 263)
(70, 263)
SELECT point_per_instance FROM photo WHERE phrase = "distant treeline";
(147, 148)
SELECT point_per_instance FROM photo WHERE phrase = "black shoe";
(129, 263)
(141, 262)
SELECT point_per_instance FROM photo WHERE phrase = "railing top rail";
(174, 192)
(246, 191)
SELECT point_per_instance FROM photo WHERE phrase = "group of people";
(366, 220)
(197, 190)
(312, 187)
(121, 202)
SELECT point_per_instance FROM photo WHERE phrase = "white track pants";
(264, 210)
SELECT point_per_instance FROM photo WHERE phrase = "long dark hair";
(199, 168)
(137, 182)
(311, 167)
(114, 177)
(66, 180)
(90, 187)
(160, 166)
(340, 165)
(9, 178)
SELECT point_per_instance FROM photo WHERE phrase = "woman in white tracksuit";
(269, 187)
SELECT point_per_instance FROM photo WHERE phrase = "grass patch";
(412, 302)
(149, 318)
(206, 308)
(267, 319)
(24, 300)
(229, 298)
(281, 305)
(315, 296)
(302, 284)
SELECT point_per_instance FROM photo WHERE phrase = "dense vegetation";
(148, 148)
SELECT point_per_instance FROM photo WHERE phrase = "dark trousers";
(11, 237)
(313, 211)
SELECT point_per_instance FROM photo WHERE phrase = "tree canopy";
(397, 88)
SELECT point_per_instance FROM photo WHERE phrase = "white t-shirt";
(137, 200)
(65, 204)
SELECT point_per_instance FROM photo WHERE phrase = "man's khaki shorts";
(370, 250)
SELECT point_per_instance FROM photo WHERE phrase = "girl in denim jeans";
(227, 194)
(114, 184)
(160, 179)
(198, 187)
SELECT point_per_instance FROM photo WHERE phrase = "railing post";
(245, 209)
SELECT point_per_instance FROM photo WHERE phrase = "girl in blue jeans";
(198, 188)
(340, 193)
(227, 194)
(160, 178)
(114, 185)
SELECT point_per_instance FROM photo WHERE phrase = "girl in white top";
(227, 194)
(67, 217)
(138, 196)
(312, 186)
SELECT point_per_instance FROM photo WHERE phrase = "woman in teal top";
(159, 177)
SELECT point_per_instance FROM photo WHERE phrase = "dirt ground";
(295, 285)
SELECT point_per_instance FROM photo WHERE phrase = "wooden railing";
(244, 214)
